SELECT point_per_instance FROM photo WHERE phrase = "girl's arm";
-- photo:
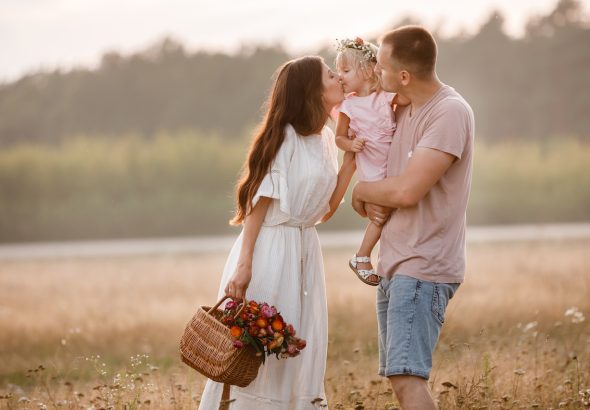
(344, 176)
(238, 284)
(342, 140)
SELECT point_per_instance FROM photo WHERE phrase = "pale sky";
(44, 34)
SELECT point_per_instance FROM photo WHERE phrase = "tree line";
(528, 88)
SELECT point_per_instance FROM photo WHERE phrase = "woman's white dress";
(288, 272)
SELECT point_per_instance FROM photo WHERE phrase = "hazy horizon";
(50, 34)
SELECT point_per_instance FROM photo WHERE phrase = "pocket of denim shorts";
(407, 292)
(439, 303)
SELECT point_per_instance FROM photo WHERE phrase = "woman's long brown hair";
(296, 99)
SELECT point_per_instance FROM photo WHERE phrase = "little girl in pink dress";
(367, 113)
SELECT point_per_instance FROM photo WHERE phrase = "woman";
(290, 183)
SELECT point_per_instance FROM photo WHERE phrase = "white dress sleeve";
(274, 185)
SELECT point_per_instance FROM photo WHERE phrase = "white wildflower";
(575, 314)
(529, 326)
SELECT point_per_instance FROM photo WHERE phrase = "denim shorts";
(410, 314)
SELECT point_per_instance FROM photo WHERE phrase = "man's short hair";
(413, 48)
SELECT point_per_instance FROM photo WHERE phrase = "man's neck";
(422, 92)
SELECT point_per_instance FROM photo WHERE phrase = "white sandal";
(363, 274)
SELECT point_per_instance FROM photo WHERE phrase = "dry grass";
(105, 331)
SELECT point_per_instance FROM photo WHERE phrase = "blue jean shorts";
(410, 314)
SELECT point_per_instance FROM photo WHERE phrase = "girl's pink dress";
(371, 118)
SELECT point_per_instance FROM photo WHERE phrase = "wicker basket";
(207, 346)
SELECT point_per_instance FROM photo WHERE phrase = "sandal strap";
(365, 273)
(363, 259)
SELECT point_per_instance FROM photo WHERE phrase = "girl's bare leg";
(372, 235)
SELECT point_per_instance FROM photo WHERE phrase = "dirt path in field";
(329, 239)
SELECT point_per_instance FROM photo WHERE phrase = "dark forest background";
(150, 144)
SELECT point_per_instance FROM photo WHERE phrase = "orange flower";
(236, 331)
(262, 322)
(277, 324)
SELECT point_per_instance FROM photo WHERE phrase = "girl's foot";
(361, 266)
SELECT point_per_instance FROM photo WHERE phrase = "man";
(422, 250)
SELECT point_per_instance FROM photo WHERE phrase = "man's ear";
(404, 77)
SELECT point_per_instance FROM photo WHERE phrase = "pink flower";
(230, 305)
(238, 344)
(266, 311)
(359, 41)
(292, 349)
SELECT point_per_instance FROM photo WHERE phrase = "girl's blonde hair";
(360, 55)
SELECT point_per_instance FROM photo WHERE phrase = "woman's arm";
(238, 284)
(344, 176)
(342, 140)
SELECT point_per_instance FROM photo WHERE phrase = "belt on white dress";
(301, 227)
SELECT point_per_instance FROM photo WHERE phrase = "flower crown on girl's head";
(358, 44)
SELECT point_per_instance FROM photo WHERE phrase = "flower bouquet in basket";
(261, 326)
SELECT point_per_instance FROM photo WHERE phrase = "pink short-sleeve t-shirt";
(427, 241)
(371, 118)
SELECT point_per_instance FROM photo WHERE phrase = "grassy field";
(181, 184)
(103, 333)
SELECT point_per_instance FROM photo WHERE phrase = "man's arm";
(425, 168)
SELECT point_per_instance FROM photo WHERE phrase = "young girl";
(366, 113)
(290, 182)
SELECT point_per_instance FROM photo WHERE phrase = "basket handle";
(244, 301)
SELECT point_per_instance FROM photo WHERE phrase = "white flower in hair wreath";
(357, 44)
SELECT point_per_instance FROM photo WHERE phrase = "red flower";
(262, 322)
(359, 41)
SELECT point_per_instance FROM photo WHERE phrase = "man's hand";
(377, 214)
